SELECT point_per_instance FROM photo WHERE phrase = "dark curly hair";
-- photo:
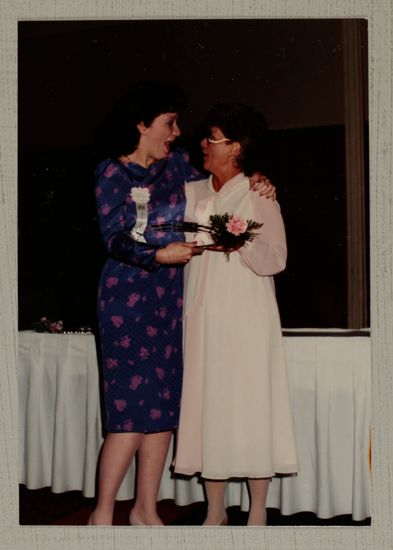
(118, 135)
(242, 123)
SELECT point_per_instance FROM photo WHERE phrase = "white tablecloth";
(59, 412)
(329, 377)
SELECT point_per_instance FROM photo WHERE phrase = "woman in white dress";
(235, 419)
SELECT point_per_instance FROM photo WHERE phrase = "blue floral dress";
(140, 303)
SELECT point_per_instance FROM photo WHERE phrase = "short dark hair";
(242, 123)
(118, 135)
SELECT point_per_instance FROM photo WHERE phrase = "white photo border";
(379, 535)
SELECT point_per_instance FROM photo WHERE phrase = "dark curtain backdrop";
(72, 73)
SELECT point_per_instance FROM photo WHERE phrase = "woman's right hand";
(175, 253)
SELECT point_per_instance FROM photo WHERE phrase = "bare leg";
(152, 454)
(117, 453)
(258, 493)
(216, 513)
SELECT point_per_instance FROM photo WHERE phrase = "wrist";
(162, 256)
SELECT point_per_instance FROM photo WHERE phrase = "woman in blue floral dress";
(141, 295)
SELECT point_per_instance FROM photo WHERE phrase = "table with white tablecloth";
(60, 431)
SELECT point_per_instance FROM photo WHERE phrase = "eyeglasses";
(212, 140)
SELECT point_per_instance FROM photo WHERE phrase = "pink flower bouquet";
(230, 231)
(225, 232)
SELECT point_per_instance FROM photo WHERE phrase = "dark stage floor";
(42, 507)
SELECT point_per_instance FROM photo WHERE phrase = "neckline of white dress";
(227, 187)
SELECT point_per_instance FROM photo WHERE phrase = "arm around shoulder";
(266, 255)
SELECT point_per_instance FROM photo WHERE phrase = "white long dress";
(235, 416)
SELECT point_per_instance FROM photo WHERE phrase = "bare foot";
(140, 518)
(97, 519)
(259, 518)
(213, 520)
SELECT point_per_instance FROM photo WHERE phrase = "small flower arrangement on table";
(57, 327)
(45, 325)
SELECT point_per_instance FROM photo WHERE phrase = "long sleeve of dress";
(267, 253)
(117, 215)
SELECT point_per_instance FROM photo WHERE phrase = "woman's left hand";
(261, 183)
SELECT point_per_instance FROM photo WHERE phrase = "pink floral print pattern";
(140, 303)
